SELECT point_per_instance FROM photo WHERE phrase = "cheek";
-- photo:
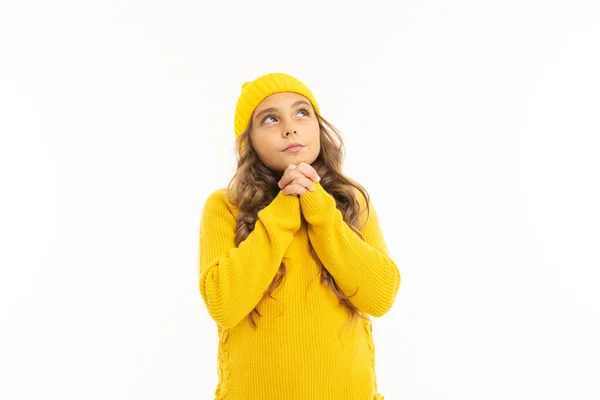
(270, 148)
(316, 124)
(263, 144)
(316, 133)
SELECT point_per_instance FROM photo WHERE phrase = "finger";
(308, 171)
(294, 190)
(303, 182)
(289, 177)
(298, 189)
(288, 190)
(288, 169)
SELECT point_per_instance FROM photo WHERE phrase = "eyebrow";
(270, 109)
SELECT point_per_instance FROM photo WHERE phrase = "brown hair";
(254, 186)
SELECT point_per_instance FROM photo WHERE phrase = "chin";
(297, 159)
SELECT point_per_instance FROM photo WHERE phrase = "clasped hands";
(298, 178)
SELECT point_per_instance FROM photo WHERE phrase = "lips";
(294, 146)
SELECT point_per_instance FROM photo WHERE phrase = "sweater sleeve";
(363, 268)
(233, 279)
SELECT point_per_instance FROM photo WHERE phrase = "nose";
(288, 128)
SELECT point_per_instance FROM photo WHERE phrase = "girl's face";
(280, 120)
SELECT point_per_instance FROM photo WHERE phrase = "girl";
(288, 216)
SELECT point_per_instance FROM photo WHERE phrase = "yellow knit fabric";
(254, 92)
(298, 351)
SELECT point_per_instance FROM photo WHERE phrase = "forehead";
(280, 100)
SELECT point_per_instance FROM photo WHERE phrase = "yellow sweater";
(297, 352)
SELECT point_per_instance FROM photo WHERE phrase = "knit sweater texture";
(300, 349)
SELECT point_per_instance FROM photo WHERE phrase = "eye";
(268, 116)
(273, 116)
(305, 110)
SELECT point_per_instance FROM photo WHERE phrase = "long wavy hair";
(254, 186)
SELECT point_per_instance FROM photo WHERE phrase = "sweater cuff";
(317, 205)
(285, 210)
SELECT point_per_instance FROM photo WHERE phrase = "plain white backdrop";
(474, 126)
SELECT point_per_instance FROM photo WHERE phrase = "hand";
(298, 178)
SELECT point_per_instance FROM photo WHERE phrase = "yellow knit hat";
(257, 90)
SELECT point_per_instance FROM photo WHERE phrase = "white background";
(474, 125)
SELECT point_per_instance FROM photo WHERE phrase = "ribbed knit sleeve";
(355, 264)
(233, 279)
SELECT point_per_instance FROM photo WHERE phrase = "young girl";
(288, 216)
